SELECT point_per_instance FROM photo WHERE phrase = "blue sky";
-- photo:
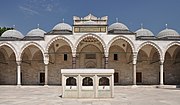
(154, 14)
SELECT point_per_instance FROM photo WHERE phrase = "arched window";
(71, 81)
(103, 81)
(87, 81)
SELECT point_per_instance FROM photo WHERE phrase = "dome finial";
(166, 26)
(141, 25)
(38, 26)
(14, 26)
(63, 20)
(117, 20)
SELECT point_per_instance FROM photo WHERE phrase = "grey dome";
(118, 26)
(144, 32)
(62, 26)
(167, 32)
(12, 33)
(36, 32)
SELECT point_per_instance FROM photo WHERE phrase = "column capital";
(73, 54)
(46, 58)
(18, 63)
(106, 54)
(135, 53)
(161, 61)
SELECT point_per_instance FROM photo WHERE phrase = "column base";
(134, 86)
(46, 85)
(19, 85)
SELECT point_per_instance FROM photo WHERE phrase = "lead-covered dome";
(12, 34)
(168, 33)
(143, 32)
(117, 26)
(36, 32)
(62, 27)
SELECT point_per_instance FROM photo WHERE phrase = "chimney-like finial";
(141, 25)
(166, 26)
(38, 26)
(117, 20)
(14, 26)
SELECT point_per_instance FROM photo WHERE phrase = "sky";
(153, 14)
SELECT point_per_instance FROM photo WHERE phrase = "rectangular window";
(65, 57)
(90, 56)
(115, 57)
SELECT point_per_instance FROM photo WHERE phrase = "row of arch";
(74, 49)
(117, 46)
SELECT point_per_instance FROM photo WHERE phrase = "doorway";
(139, 77)
(42, 78)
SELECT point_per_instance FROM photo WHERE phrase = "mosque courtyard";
(123, 95)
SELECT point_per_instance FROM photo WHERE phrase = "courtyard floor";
(40, 95)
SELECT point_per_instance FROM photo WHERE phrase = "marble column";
(161, 73)
(46, 74)
(134, 67)
(46, 62)
(106, 62)
(18, 73)
(73, 62)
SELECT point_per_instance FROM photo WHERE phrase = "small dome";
(12, 33)
(118, 26)
(144, 32)
(36, 32)
(63, 26)
(167, 32)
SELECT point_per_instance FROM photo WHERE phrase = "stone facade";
(137, 57)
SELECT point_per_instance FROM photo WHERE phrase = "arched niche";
(60, 57)
(90, 51)
(171, 65)
(148, 66)
(32, 65)
(8, 72)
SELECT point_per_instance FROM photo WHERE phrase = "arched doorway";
(120, 59)
(148, 66)
(172, 66)
(60, 57)
(32, 66)
(8, 66)
(90, 53)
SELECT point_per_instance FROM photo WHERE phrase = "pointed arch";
(90, 35)
(32, 44)
(169, 46)
(11, 47)
(59, 38)
(152, 44)
(123, 38)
